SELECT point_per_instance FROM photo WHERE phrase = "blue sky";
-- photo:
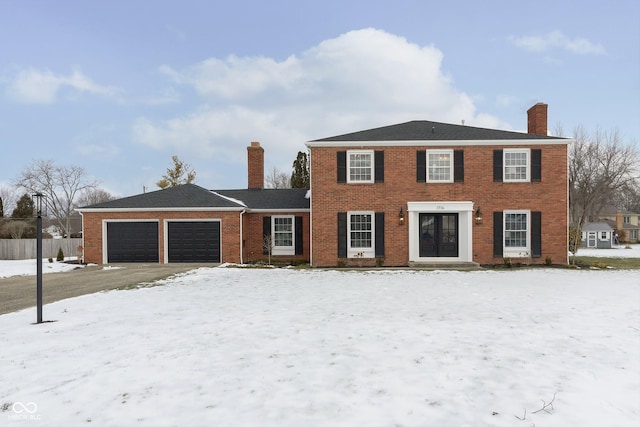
(118, 87)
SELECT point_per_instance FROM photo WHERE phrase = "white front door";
(592, 239)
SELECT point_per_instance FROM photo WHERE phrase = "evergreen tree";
(24, 208)
(180, 174)
(300, 178)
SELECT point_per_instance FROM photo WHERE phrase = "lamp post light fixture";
(401, 217)
(38, 205)
(478, 216)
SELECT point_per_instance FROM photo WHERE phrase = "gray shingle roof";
(270, 198)
(194, 196)
(597, 226)
(182, 196)
(423, 130)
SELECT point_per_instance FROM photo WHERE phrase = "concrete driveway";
(17, 293)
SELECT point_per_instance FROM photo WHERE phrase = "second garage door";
(193, 241)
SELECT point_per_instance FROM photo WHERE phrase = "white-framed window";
(604, 235)
(633, 234)
(360, 165)
(516, 164)
(360, 234)
(517, 233)
(439, 165)
(626, 219)
(282, 235)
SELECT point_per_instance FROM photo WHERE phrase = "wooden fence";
(12, 249)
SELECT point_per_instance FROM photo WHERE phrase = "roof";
(423, 130)
(182, 196)
(191, 196)
(270, 198)
(597, 226)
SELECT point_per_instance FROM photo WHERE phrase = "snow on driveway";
(281, 347)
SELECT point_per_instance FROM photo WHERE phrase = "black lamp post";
(38, 202)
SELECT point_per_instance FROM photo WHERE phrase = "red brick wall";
(400, 186)
(253, 237)
(92, 230)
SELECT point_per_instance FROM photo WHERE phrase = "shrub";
(60, 256)
(548, 261)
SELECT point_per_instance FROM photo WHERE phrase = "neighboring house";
(191, 224)
(597, 235)
(433, 193)
(417, 193)
(627, 224)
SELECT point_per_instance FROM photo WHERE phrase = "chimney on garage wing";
(255, 165)
(537, 119)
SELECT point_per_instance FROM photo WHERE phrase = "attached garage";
(193, 241)
(132, 241)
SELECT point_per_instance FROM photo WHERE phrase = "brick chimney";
(537, 119)
(255, 165)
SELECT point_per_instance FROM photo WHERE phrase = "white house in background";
(597, 235)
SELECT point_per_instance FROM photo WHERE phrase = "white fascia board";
(439, 143)
(203, 209)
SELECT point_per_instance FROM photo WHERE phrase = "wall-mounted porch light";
(401, 217)
(478, 216)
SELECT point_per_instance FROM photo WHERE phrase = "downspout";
(241, 235)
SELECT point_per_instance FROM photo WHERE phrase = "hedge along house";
(189, 223)
(428, 193)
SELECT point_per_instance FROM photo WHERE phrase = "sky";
(120, 87)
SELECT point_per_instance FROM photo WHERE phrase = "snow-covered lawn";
(29, 267)
(283, 347)
(621, 251)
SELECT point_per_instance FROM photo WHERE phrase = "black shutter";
(497, 165)
(458, 166)
(379, 166)
(266, 231)
(421, 166)
(536, 165)
(298, 230)
(536, 234)
(497, 235)
(379, 234)
(342, 234)
(342, 166)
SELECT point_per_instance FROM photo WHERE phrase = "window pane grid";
(361, 227)
(360, 167)
(515, 235)
(515, 166)
(439, 166)
(282, 232)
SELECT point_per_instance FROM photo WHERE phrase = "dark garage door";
(132, 242)
(194, 241)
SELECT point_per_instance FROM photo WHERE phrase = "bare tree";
(60, 185)
(600, 166)
(9, 198)
(277, 179)
(181, 173)
(92, 196)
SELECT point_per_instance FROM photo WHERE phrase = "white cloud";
(556, 39)
(31, 86)
(361, 79)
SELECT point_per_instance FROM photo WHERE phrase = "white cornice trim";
(440, 143)
(201, 209)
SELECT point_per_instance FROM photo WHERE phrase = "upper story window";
(439, 165)
(626, 219)
(516, 165)
(360, 166)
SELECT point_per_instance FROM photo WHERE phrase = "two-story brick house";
(433, 193)
(414, 193)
